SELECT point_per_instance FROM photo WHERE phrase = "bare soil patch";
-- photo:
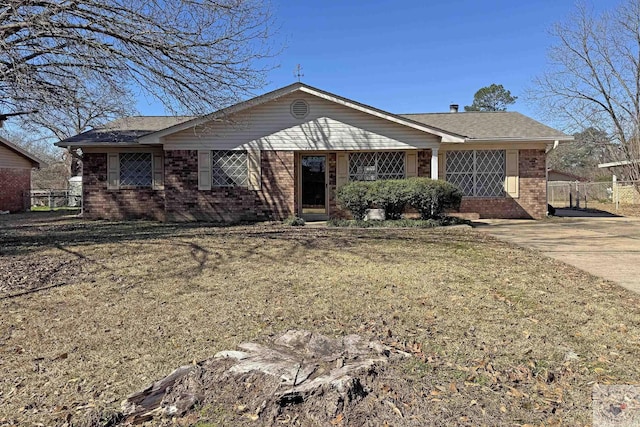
(498, 335)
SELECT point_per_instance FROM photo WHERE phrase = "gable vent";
(299, 109)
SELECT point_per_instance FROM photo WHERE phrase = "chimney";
(453, 108)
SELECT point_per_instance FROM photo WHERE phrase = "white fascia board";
(446, 137)
(614, 164)
(107, 145)
(156, 137)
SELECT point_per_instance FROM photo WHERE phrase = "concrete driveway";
(607, 246)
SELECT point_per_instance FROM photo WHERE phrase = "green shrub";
(356, 198)
(294, 221)
(432, 197)
(392, 195)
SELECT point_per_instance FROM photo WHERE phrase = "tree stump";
(297, 368)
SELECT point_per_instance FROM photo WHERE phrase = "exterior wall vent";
(299, 108)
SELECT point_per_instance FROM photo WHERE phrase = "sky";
(414, 56)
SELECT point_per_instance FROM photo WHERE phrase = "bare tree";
(192, 55)
(86, 108)
(593, 79)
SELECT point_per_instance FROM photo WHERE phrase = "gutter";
(101, 145)
(553, 139)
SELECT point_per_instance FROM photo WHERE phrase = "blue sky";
(414, 56)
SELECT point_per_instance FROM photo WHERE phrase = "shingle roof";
(489, 125)
(498, 125)
(125, 130)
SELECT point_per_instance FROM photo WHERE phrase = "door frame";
(299, 156)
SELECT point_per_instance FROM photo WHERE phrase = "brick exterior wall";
(277, 199)
(274, 201)
(532, 202)
(333, 204)
(101, 203)
(15, 184)
(279, 184)
(424, 163)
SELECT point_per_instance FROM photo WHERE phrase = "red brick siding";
(424, 163)
(275, 200)
(182, 201)
(279, 184)
(101, 203)
(532, 202)
(332, 165)
(15, 184)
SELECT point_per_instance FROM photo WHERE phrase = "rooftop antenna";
(297, 73)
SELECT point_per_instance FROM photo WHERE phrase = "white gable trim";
(446, 136)
(156, 137)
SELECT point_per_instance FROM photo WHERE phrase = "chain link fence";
(611, 196)
(43, 200)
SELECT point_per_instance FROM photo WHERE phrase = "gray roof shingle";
(124, 131)
(497, 125)
(488, 125)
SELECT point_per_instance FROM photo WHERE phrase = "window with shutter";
(135, 169)
(478, 173)
(229, 169)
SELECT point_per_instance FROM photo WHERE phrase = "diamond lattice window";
(229, 168)
(478, 173)
(371, 166)
(135, 169)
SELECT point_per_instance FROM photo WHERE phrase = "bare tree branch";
(191, 55)
(593, 78)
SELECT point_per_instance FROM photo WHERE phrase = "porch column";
(434, 163)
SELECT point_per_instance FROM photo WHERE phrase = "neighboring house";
(15, 176)
(286, 152)
(559, 176)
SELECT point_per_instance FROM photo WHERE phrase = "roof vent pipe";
(453, 108)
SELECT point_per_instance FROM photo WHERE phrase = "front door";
(314, 188)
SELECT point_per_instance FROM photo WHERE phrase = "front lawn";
(92, 311)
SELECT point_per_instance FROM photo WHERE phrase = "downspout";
(546, 171)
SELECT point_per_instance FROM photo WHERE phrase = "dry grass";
(623, 209)
(125, 303)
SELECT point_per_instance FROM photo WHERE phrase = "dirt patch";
(20, 275)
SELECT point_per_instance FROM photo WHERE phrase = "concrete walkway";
(608, 246)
